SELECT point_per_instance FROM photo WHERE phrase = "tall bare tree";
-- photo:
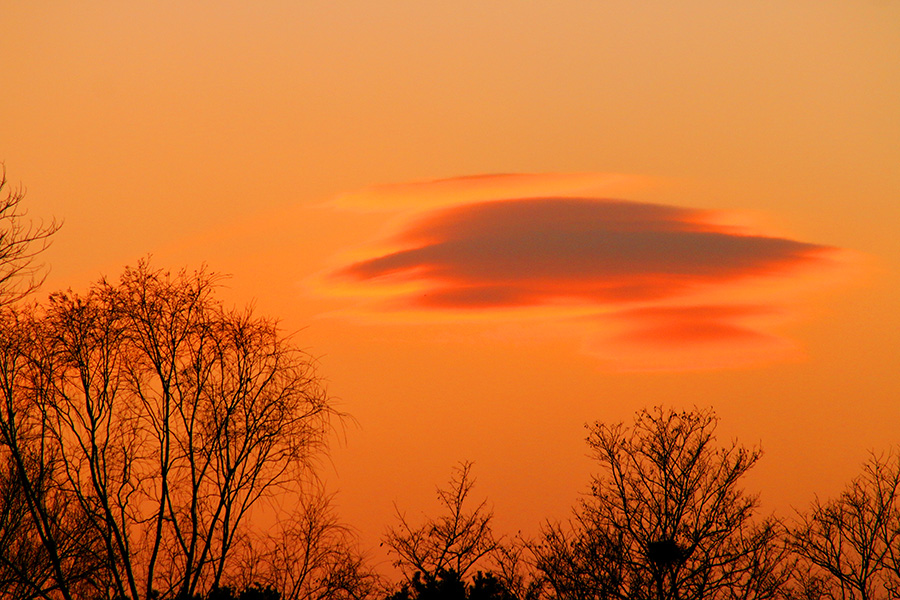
(20, 243)
(310, 555)
(459, 539)
(851, 545)
(167, 418)
(666, 519)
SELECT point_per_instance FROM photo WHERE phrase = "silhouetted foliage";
(447, 585)
(851, 545)
(487, 586)
(139, 426)
(666, 518)
(20, 243)
(251, 592)
(443, 585)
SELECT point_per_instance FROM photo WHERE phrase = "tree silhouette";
(436, 556)
(250, 592)
(447, 585)
(456, 541)
(309, 555)
(851, 545)
(666, 519)
(140, 425)
(20, 243)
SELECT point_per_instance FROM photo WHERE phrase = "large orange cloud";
(653, 286)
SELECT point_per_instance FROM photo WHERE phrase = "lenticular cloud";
(653, 286)
(534, 251)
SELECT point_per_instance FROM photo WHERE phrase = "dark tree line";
(666, 517)
(146, 430)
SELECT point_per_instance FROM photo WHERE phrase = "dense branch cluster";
(666, 518)
(851, 545)
(140, 426)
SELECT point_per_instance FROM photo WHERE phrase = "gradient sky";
(495, 222)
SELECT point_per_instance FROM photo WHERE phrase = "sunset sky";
(495, 222)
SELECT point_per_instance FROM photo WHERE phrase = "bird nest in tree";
(665, 552)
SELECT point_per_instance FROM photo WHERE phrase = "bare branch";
(20, 243)
(851, 545)
(457, 540)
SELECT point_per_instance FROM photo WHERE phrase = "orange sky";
(289, 142)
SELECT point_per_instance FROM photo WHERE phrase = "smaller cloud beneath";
(652, 286)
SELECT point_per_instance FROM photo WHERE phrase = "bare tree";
(44, 547)
(457, 540)
(167, 417)
(666, 519)
(513, 565)
(579, 562)
(310, 555)
(20, 243)
(851, 545)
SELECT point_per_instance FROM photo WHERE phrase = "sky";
(495, 222)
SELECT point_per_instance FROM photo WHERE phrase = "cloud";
(526, 252)
(656, 280)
